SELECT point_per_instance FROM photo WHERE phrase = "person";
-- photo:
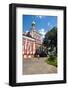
(38, 56)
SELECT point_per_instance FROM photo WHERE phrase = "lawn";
(52, 61)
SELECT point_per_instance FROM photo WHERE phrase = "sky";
(43, 23)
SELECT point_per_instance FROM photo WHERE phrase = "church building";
(31, 41)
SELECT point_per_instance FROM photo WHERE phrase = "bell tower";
(33, 25)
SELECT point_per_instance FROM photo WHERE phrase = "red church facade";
(31, 41)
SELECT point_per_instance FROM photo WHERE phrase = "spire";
(33, 23)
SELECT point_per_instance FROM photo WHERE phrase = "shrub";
(51, 57)
(52, 60)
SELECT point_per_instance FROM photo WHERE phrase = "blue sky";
(43, 23)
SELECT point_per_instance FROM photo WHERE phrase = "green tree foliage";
(50, 39)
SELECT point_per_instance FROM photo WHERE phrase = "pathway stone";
(37, 66)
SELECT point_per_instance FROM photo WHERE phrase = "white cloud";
(27, 31)
(40, 17)
(50, 25)
(42, 32)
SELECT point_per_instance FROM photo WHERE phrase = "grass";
(52, 61)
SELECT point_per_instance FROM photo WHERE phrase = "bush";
(52, 60)
(51, 57)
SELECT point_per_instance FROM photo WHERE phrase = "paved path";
(37, 66)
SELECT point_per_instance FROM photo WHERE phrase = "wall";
(28, 47)
(4, 47)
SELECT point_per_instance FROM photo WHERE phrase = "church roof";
(28, 35)
(37, 32)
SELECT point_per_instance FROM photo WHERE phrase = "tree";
(50, 40)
